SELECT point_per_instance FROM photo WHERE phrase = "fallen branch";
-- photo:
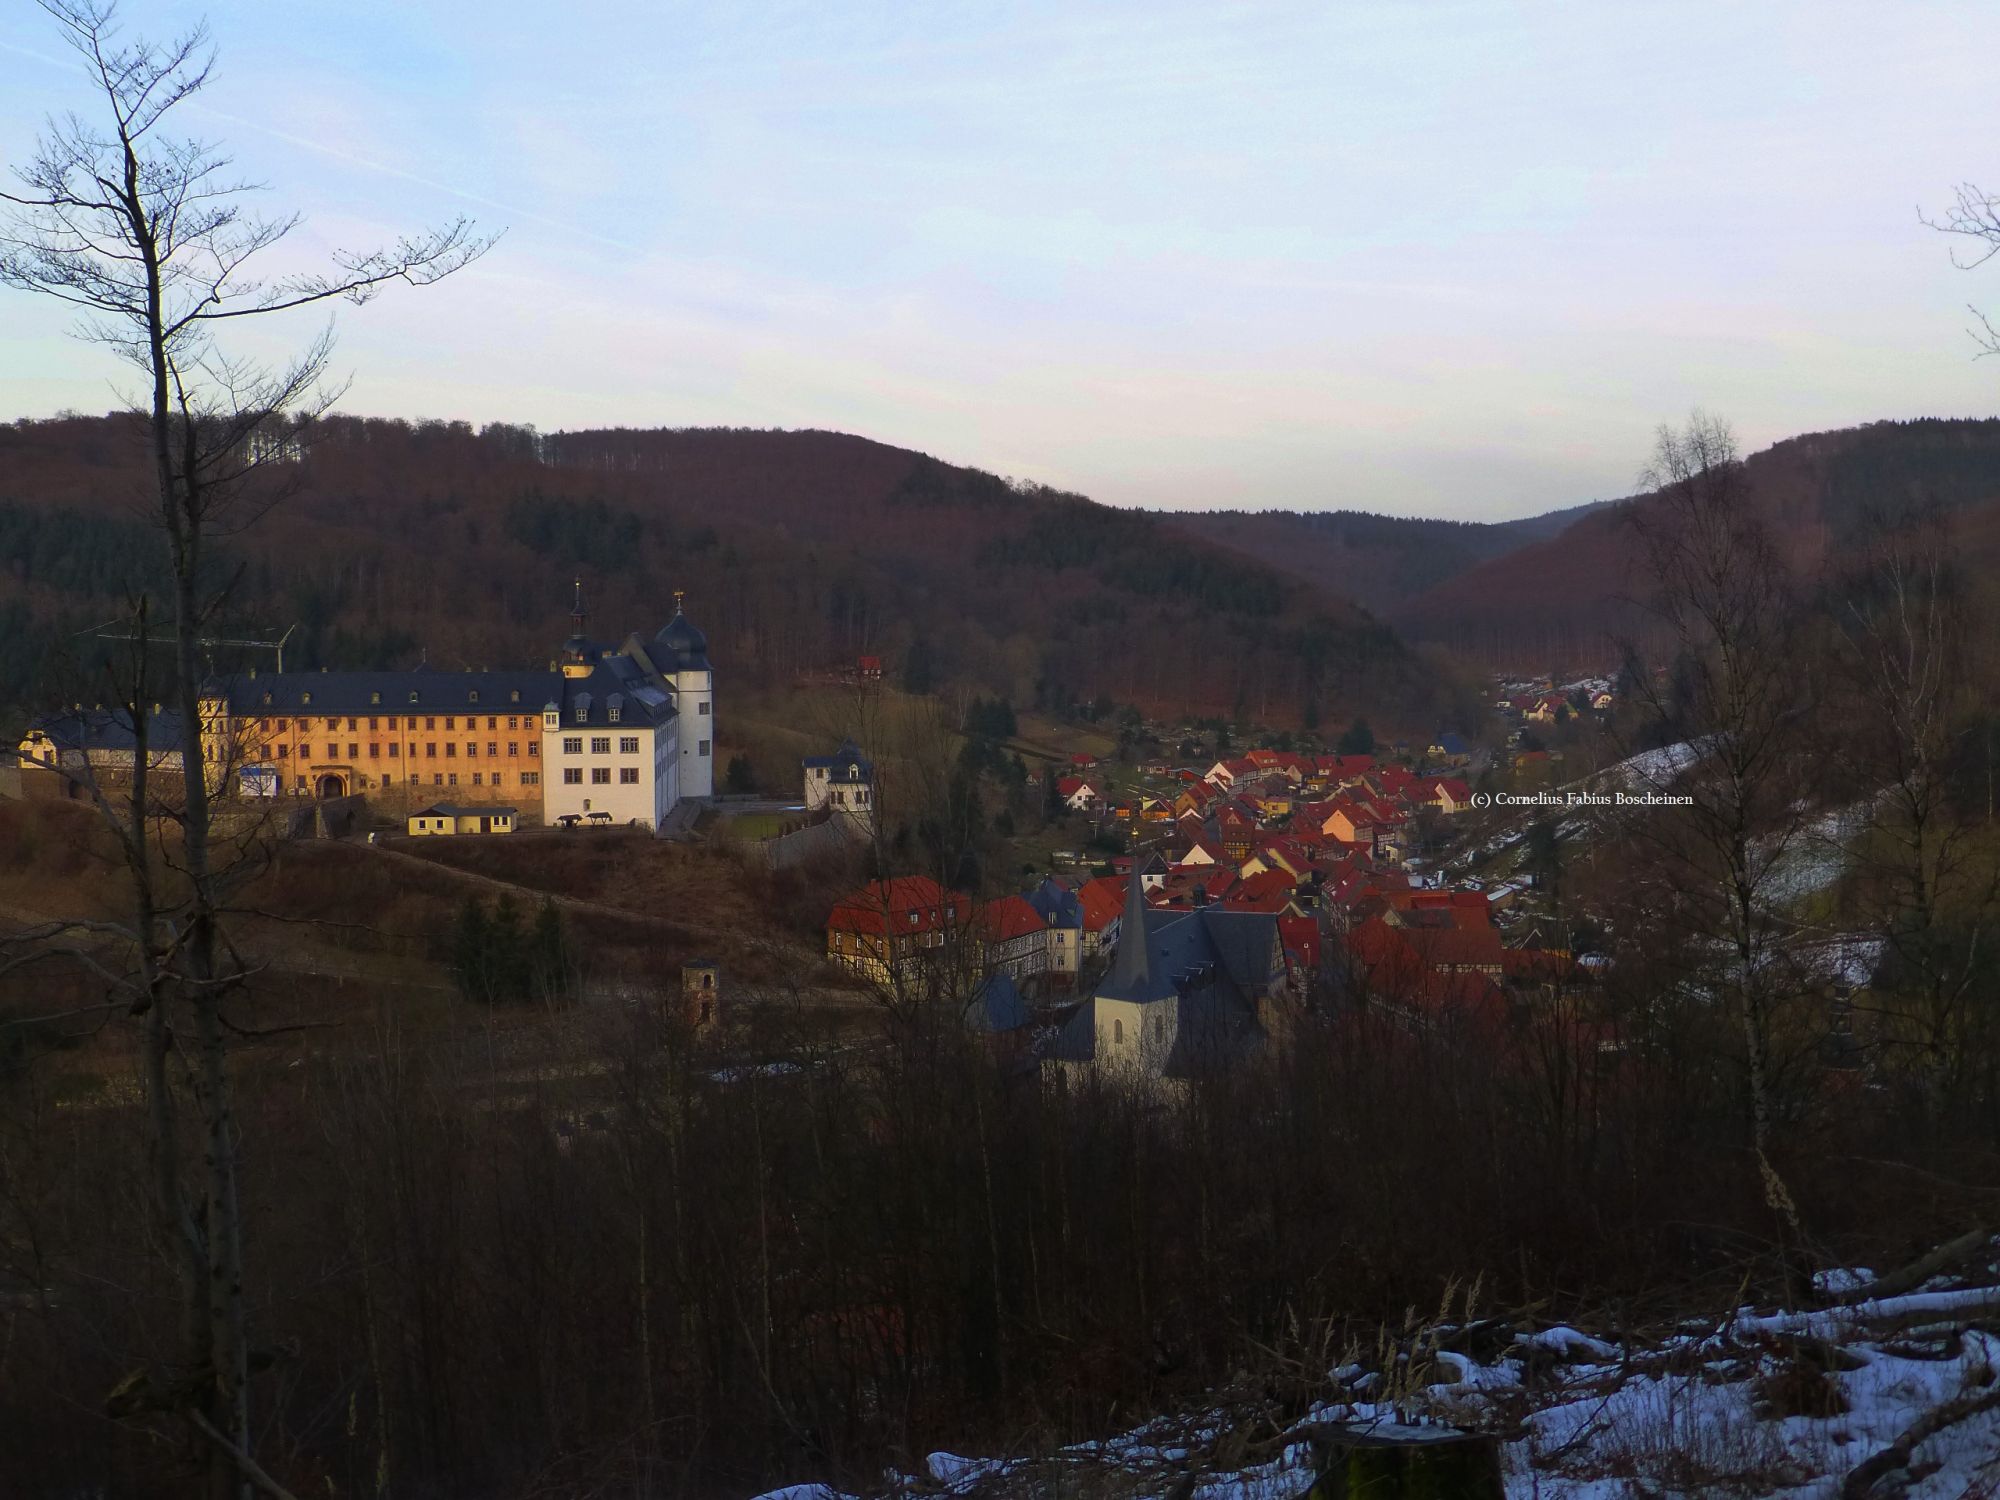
(1917, 1272)
(1862, 1479)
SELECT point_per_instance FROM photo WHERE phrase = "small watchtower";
(701, 991)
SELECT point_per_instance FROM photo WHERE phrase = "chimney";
(1201, 895)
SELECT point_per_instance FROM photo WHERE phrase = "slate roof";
(454, 810)
(110, 729)
(998, 1006)
(616, 682)
(847, 765)
(1056, 904)
(358, 694)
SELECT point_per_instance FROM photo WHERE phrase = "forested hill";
(1562, 599)
(799, 551)
(1379, 562)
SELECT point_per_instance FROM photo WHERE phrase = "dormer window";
(515, 696)
(473, 696)
(267, 699)
(612, 713)
(413, 695)
(305, 698)
(375, 697)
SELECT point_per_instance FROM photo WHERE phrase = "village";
(1224, 899)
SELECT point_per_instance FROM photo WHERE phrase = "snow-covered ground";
(1773, 1404)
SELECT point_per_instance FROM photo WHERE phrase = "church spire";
(1132, 975)
(577, 616)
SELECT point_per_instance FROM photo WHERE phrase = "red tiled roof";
(1008, 918)
(1102, 899)
(870, 908)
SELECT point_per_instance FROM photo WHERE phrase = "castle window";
(514, 747)
(491, 748)
(491, 722)
(451, 723)
(472, 749)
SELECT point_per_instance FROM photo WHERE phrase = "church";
(609, 733)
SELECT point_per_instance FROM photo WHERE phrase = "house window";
(704, 748)
(353, 751)
(436, 780)
(600, 744)
(478, 778)
(531, 778)
(451, 723)
(492, 722)
(703, 708)
(534, 747)
(430, 749)
(628, 775)
(492, 749)
(430, 724)
(472, 749)
(451, 749)
(600, 776)
(572, 776)
(628, 744)
(1118, 1032)
(283, 750)
(513, 748)
(573, 745)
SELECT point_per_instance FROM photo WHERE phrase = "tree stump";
(1396, 1462)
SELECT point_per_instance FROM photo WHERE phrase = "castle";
(608, 733)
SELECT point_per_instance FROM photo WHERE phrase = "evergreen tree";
(548, 953)
(471, 951)
(919, 675)
(1358, 740)
(739, 778)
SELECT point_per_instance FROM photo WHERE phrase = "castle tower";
(577, 652)
(682, 656)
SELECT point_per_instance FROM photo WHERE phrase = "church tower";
(682, 657)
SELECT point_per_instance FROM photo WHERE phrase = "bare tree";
(1723, 597)
(1900, 614)
(150, 237)
(1974, 215)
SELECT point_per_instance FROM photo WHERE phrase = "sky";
(1425, 258)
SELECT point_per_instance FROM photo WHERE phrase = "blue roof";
(357, 694)
(110, 729)
(998, 1006)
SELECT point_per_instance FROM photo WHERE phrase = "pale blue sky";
(1431, 258)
